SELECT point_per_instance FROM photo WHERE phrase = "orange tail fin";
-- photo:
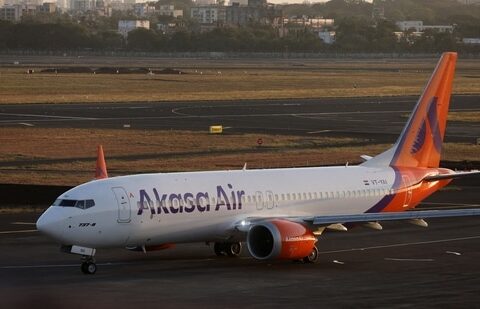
(420, 143)
(101, 168)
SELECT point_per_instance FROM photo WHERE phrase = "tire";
(91, 268)
(234, 249)
(88, 268)
(312, 257)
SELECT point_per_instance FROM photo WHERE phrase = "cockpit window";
(68, 203)
(82, 204)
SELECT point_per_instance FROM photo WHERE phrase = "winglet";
(420, 143)
(101, 168)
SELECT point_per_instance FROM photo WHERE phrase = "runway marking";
(48, 116)
(57, 265)
(26, 124)
(453, 252)
(409, 260)
(321, 131)
(403, 244)
(19, 231)
(23, 223)
(187, 116)
(338, 262)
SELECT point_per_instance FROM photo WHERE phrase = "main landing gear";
(232, 249)
(88, 266)
(312, 257)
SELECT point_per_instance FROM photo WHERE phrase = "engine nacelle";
(280, 239)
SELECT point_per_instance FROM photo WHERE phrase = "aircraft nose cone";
(50, 224)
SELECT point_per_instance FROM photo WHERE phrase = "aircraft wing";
(339, 220)
(391, 216)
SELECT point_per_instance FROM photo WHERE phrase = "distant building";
(204, 2)
(83, 5)
(208, 14)
(169, 10)
(316, 24)
(418, 26)
(47, 7)
(63, 5)
(125, 26)
(143, 9)
(328, 37)
(11, 12)
(120, 6)
(257, 11)
(240, 2)
(471, 41)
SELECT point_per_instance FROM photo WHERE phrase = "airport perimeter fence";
(228, 55)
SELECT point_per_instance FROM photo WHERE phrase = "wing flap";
(391, 216)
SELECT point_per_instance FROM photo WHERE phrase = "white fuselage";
(151, 209)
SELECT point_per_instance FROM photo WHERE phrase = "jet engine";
(281, 239)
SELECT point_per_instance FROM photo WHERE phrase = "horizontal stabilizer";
(451, 175)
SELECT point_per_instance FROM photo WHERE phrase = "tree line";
(356, 30)
(352, 35)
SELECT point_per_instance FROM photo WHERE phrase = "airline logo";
(188, 202)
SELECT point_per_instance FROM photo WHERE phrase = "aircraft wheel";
(234, 249)
(89, 268)
(312, 257)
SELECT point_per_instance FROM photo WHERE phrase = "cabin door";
(123, 202)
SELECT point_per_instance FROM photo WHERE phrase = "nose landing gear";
(88, 266)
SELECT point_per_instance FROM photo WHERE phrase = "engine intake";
(280, 239)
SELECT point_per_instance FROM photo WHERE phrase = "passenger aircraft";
(278, 213)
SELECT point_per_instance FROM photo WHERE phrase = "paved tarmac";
(402, 266)
(379, 120)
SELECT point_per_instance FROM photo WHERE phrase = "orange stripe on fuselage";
(411, 192)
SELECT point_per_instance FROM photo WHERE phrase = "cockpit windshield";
(82, 204)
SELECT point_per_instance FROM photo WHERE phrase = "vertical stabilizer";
(101, 167)
(420, 143)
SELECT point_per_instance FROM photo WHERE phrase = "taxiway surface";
(402, 266)
(376, 119)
